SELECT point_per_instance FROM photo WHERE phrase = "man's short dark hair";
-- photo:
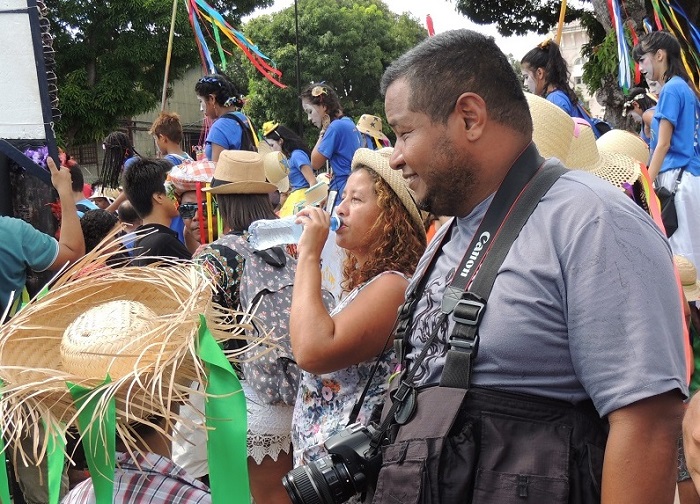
(441, 68)
(76, 178)
(141, 181)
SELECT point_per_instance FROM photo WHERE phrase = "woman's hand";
(316, 223)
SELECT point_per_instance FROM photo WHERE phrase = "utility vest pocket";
(409, 472)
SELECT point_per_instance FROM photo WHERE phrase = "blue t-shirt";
(177, 159)
(679, 106)
(130, 161)
(225, 132)
(338, 145)
(298, 159)
(561, 100)
(21, 247)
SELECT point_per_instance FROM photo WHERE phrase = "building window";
(86, 154)
(578, 81)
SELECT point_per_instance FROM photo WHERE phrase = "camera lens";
(319, 482)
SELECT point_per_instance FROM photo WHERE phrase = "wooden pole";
(167, 58)
(560, 26)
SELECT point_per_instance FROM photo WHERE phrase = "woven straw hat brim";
(149, 374)
(624, 142)
(378, 160)
(617, 169)
(553, 129)
(692, 292)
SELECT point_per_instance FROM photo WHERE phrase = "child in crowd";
(167, 133)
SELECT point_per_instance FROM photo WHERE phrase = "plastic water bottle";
(265, 234)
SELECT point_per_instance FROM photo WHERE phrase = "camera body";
(348, 469)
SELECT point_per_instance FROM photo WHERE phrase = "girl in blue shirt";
(219, 99)
(339, 138)
(674, 136)
(301, 176)
(545, 74)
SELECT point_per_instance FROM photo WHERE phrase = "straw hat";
(372, 125)
(316, 193)
(184, 177)
(583, 155)
(139, 326)
(240, 172)
(689, 277)
(553, 129)
(624, 142)
(378, 160)
(277, 170)
(323, 177)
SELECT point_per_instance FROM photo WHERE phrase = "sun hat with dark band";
(378, 160)
(240, 172)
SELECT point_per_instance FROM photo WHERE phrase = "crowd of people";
(543, 346)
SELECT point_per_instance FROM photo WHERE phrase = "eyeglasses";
(187, 210)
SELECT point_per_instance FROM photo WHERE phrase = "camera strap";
(518, 195)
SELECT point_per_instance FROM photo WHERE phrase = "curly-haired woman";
(383, 234)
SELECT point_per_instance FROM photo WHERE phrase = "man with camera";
(565, 381)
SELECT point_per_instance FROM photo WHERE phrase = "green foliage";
(516, 17)
(110, 58)
(347, 43)
(602, 61)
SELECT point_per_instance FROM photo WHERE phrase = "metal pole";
(299, 110)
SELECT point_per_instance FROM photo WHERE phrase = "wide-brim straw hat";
(624, 142)
(185, 176)
(553, 129)
(372, 125)
(689, 277)
(240, 172)
(378, 160)
(139, 325)
(616, 168)
(277, 170)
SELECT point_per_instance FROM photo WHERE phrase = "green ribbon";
(55, 460)
(4, 482)
(99, 443)
(217, 36)
(227, 424)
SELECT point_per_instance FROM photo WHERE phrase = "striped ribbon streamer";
(624, 76)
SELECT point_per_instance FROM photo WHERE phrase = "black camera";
(349, 468)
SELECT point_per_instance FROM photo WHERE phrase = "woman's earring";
(325, 121)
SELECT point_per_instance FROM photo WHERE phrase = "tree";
(110, 58)
(514, 17)
(343, 42)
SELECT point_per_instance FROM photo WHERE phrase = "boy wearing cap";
(144, 186)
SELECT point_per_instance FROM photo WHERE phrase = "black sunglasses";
(187, 210)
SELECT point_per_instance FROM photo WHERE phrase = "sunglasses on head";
(187, 210)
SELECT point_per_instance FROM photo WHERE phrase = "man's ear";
(471, 111)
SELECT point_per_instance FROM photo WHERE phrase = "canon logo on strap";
(476, 252)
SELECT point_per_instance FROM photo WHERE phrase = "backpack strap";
(251, 141)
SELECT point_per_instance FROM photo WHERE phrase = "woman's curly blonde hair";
(397, 244)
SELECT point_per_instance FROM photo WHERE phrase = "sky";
(445, 17)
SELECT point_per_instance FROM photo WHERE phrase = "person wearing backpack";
(383, 235)
(167, 134)
(546, 74)
(221, 102)
(259, 284)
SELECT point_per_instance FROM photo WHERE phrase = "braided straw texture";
(139, 324)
